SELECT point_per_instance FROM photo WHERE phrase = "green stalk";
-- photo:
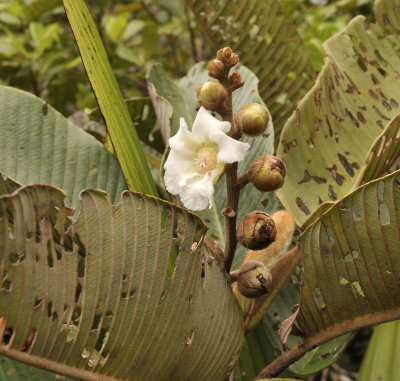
(120, 127)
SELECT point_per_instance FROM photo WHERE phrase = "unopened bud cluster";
(214, 95)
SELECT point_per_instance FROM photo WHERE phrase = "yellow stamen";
(206, 159)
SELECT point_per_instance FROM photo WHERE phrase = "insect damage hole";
(190, 338)
(352, 255)
(318, 298)
(384, 214)
(342, 280)
(356, 286)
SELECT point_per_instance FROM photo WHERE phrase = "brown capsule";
(216, 68)
(254, 279)
(252, 119)
(211, 92)
(267, 173)
(256, 231)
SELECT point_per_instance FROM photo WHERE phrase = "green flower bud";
(211, 92)
(256, 231)
(216, 68)
(252, 119)
(254, 279)
(267, 173)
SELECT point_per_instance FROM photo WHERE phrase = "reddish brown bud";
(235, 80)
(267, 173)
(224, 54)
(254, 279)
(216, 68)
(256, 231)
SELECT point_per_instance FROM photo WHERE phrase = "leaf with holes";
(328, 140)
(267, 42)
(93, 299)
(351, 265)
(38, 145)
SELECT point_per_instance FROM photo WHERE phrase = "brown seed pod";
(267, 173)
(256, 231)
(254, 279)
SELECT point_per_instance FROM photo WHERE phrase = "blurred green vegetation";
(38, 51)
(318, 20)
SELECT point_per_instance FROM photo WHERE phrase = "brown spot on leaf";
(361, 118)
(373, 94)
(387, 106)
(331, 193)
(385, 19)
(353, 119)
(379, 113)
(307, 178)
(339, 179)
(302, 206)
(346, 165)
(375, 80)
(393, 103)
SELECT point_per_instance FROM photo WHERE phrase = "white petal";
(184, 143)
(230, 150)
(205, 125)
(197, 193)
(177, 172)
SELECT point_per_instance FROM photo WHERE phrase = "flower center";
(206, 159)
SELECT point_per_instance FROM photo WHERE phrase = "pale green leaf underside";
(267, 42)
(381, 359)
(98, 296)
(327, 141)
(351, 263)
(38, 145)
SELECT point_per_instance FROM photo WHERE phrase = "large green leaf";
(38, 145)
(97, 300)
(182, 98)
(328, 140)
(351, 262)
(123, 135)
(381, 359)
(351, 267)
(268, 43)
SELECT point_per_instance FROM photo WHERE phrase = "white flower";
(196, 159)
